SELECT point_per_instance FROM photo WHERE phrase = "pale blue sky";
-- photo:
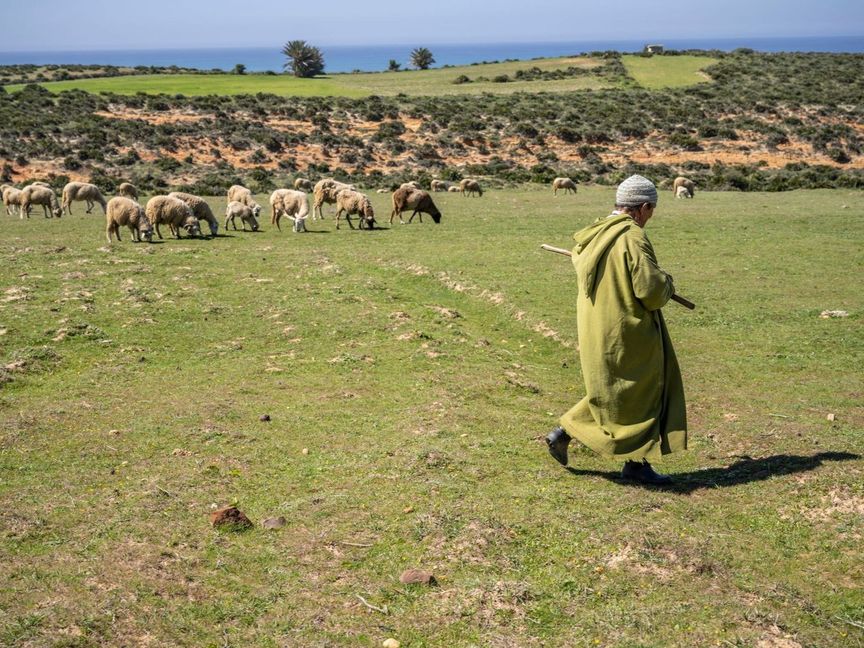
(156, 24)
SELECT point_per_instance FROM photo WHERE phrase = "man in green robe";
(634, 406)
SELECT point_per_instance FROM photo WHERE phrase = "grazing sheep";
(11, 198)
(246, 214)
(82, 192)
(128, 190)
(293, 205)
(39, 195)
(125, 211)
(382, 191)
(200, 208)
(174, 212)
(244, 196)
(470, 187)
(413, 184)
(683, 192)
(302, 184)
(325, 192)
(681, 181)
(418, 200)
(563, 183)
(454, 189)
(354, 202)
(439, 185)
(39, 183)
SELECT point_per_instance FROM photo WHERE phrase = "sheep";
(246, 214)
(325, 192)
(39, 183)
(302, 184)
(413, 184)
(439, 185)
(354, 202)
(243, 195)
(82, 192)
(683, 192)
(200, 208)
(11, 198)
(420, 201)
(174, 212)
(293, 205)
(563, 183)
(125, 211)
(39, 195)
(681, 181)
(470, 187)
(127, 190)
(382, 190)
(454, 189)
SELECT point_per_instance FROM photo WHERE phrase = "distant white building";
(653, 49)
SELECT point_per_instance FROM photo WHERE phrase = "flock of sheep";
(184, 211)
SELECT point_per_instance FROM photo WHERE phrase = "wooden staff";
(686, 303)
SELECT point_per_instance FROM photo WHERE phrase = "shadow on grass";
(743, 471)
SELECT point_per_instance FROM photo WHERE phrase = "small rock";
(418, 576)
(826, 314)
(264, 417)
(274, 523)
(391, 643)
(305, 451)
(230, 518)
(831, 417)
(408, 509)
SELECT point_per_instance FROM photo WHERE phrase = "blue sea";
(370, 58)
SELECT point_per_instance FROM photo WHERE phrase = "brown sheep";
(82, 192)
(125, 211)
(563, 183)
(350, 202)
(173, 211)
(439, 185)
(200, 208)
(127, 190)
(325, 192)
(681, 181)
(454, 189)
(470, 187)
(302, 184)
(40, 195)
(418, 200)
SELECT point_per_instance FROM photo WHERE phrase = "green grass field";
(653, 72)
(410, 374)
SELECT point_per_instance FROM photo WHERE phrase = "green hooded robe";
(634, 407)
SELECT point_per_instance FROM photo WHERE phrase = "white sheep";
(411, 184)
(11, 199)
(454, 189)
(681, 181)
(567, 184)
(470, 187)
(238, 193)
(293, 205)
(382, 191)
(246, 214)
(125, 211)
(82, 192)
(683, 192)
(127, 190)
(302, 184)
(439, 185)
(39, 195)
(200, 208)
(325, 192)
(350, 202)
(173, 211)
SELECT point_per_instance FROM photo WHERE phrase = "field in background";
(410, 374)
(657, 71)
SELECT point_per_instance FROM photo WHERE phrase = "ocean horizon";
(371, 58)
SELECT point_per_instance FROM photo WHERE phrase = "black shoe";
(557, 440)
(644, 473)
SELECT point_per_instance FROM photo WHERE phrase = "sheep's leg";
(89, 206)
(348, 218)
(69, 207)
(108, 231)
(47, 213)
(338, 215)
(276, 220)
(158, 233)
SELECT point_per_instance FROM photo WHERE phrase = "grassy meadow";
(654, 72)
(410, 374)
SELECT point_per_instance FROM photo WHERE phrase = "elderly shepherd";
(634, 405)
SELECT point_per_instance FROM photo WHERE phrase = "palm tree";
(304, 60)
(422, 58)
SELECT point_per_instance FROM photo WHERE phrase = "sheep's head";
(434, 213)
(256, 211)
(57, 211)
(214, 227)
(191, 226)
(145, 231)
(368, 215)
(253, 222)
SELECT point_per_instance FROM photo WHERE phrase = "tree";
(239, 69)
(394, 65)
(304, 60)
(422, 58)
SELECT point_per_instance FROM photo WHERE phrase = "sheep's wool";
(635, 191)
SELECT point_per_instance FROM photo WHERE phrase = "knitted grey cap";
(635, 191)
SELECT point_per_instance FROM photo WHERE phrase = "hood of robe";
(592, 243)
